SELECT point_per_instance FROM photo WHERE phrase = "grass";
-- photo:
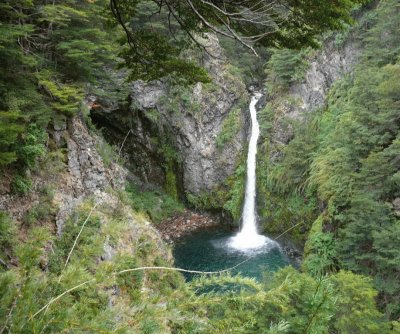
(156, 204)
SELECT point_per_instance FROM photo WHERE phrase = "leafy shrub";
(21, 185)
(322, 257)
(345, 162)
(108, 153)
(171, 159)
(236, 192)
(43, 210)
(131, 281)
(285, 67)
(356, 310)
(33, 146)
(7, 234)
(245, 64)
(230, 128)
(157, 205)
(90, 243)
(9, 131)
(65, 98)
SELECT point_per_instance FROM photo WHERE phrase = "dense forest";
(101, 266)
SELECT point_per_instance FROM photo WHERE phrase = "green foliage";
(289, 302)
(285, 67)
(230, 127)
(65, 98)
(179, 99)
(9, 131)
(236, 192)
(43, 210)
(22, 105)
(285, 201)
(342, 37)
(243, 62)
(322, 257)
(30, 253)
(170, 182)
(155, 39)
(129, 282)
(153, 115)
(33, 147)
(90, 242)
(355, 309)
(346, 158)
(46, 51)
(157, 205)
(316, 228)
(21, 185)
(343, 162)
(103, 300)
(171, 158)
(108, 153)
(361, 131)
(7, 235)
(290, 173)
(306, 304)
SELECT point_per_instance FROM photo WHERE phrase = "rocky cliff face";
(78, 176)
(325, 67)
(177, 129)
(86, 174)
(284, 107)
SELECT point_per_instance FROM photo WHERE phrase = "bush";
(33, 146)
(156, 204)
(108, 153)
(90, 243)
(230, 128)
(7, 234)
(41, 211)
(21, 185)
(285, 67)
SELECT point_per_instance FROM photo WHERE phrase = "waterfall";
(248, 237)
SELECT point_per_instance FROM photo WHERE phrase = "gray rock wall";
(326, 66)
(192, 126)
(83, 175)
(329, 65)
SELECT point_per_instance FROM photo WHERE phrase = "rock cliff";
(325, 67)
(196, 133)
(76, 174)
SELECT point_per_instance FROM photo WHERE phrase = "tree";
(355, 308)
(48, 50)
(349, 160)
(152, 52)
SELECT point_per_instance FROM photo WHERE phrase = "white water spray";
(248, 237)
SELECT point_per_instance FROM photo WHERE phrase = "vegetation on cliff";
(342, 167)
(338, 177)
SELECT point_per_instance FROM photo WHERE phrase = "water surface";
(208, 250)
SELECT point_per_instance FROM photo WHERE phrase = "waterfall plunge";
(248, 237)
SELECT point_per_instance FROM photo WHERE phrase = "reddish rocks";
(182, 224)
